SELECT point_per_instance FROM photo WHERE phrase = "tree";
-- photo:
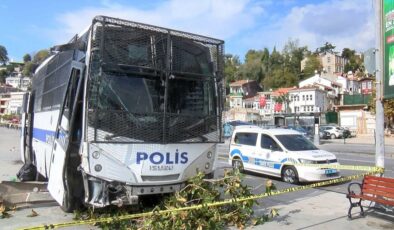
(348, 53)
(311, 65)
(3, 55)
(40, 56)
(3, 74)
(28, 68)
(388, 106)
(326, 47)
(355, 62)
(252, 68)
(26, 58)
(231, 65)
(293, 54)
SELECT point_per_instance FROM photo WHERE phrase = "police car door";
(270, 155)
(244, 146)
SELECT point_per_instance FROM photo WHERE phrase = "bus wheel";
(238, 165)
(290, 175)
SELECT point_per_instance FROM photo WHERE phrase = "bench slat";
(377, 188)
(377, 200)
(379, 183)
(386, 179)
(380, 193)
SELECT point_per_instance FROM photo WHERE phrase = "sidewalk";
(327, 211)
(363, 139)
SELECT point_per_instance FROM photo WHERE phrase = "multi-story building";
(11, 103)
(280, 99)
(331, 62)
(15, 102)
(241, 90)
(4, 98)
(17, 80)
(323, 82)
(309, 99)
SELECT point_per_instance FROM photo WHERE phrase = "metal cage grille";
(151, 84)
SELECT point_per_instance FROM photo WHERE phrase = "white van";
(268, 150)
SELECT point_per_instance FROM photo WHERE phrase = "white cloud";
(347, 23)
(217, 18)
(244, 24)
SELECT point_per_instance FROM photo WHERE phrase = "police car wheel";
(290, 175)
(237, 164)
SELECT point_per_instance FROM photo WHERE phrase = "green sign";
(388, 34)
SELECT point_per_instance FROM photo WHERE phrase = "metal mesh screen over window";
(50, 81)
(151, 84)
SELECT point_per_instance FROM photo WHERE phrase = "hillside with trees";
(277, 69)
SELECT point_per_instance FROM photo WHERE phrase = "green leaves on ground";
(198, 191)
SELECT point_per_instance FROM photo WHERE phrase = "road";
(347, 154)
(50, 212)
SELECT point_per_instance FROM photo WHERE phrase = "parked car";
(334, 131)
(346, 133)
(302, 130)
(324, 134)
(267, 151)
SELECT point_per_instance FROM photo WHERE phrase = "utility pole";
(379, 133)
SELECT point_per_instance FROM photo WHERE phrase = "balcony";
(356, 99)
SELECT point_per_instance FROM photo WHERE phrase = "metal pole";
(379, 134)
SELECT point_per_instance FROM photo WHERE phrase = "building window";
(328, 59)
(370, 85)
(303, 97)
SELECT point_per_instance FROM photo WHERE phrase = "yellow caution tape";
(338, 166)
(372, 170)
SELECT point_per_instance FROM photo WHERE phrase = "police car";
(269, 151)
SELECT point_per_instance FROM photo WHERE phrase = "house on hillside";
(241, 90)
(280, 98)
(330, 61)
(323, 82)
(17, 80)
(354, 112)
(310, 99)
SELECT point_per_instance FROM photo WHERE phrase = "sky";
(28, 26)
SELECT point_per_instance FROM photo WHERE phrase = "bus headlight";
(98, 167)
(96, 154)
(207, 165)
(209, 155)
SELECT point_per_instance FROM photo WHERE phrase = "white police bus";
(123, 110)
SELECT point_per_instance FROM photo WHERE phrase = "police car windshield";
(296, 142)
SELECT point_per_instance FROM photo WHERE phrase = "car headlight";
(305, 161)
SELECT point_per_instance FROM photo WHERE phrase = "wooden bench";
(377, 189)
